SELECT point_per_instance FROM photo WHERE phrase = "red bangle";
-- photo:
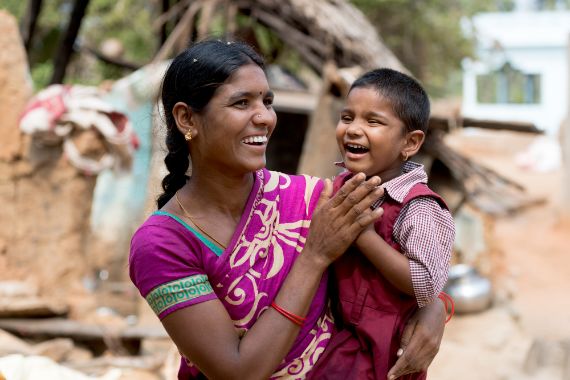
(296, 319)
(448, 302)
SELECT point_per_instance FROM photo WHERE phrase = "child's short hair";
(409, 100)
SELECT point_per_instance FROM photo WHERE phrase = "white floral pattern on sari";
(272, 235)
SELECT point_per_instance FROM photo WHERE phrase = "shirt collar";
(412, 173)
(397, 188)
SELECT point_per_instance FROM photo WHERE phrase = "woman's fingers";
(326, 193)
(346, 190)
(337, 221)
(356, 195)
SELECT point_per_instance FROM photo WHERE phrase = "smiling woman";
(228, 262)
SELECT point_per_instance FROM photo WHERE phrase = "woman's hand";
(420, 340)
(337, 221)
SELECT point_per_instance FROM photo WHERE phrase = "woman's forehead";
(247, 77)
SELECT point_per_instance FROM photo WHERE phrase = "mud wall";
(45, 201)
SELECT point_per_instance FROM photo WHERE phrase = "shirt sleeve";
(426, 233)
(165, 266)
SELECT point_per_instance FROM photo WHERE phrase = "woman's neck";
(218, 193)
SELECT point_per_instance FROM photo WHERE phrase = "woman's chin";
(256, 165)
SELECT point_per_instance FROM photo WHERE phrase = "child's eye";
(375, 122)
(345, 118)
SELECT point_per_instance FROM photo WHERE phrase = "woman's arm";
(420, 340)
(205, 333)
(393, 265)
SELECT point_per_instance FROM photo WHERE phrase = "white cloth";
(57, 111)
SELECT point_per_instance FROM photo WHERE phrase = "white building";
(522, 67)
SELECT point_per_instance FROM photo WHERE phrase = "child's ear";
(414, 141)
(184, 118)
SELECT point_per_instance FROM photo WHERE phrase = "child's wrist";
(363, 237)
(448, 304)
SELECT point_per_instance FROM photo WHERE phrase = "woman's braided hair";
(192, 78)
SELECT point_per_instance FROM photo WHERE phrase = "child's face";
(370, 136)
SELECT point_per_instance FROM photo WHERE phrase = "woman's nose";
(263, 116)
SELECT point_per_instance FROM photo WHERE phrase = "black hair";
(192, 78)
(409, 100)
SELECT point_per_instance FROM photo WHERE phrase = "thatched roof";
(320, 30)
(324, 30)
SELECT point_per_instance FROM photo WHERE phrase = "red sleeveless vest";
(370, 312)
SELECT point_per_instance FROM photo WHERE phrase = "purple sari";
(174, 266)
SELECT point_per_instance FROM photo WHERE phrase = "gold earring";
(405, 156)
(188, 135)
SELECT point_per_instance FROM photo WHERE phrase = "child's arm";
(394, 266)
(426, 233)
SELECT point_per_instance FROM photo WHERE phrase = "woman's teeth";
(255, 140)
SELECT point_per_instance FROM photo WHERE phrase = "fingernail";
(392, 377)
(400, 352)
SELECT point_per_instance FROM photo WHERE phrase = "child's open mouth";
(356, 149)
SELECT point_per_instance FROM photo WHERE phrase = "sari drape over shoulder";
(174, 266)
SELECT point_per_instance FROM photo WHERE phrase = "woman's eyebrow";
(239, 95)
(249, 94)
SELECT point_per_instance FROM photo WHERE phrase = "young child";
(402, 262)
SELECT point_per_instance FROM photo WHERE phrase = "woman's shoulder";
(292, 180)
(161, 247)
(157, 226)
(163, 234)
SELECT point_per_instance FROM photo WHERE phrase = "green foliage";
(129, 21)
(41, 74)
(426, 36)
(15, 7)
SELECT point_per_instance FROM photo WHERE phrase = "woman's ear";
(414, 141)
(184, 118)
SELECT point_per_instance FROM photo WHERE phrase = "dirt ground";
(527, 336)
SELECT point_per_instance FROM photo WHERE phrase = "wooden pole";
(65, 48)
(163, 34)
(30, 22)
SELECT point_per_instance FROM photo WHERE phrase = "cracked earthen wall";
(45, 201)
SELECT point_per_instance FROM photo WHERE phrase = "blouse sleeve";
(426, 234)
(165, 266)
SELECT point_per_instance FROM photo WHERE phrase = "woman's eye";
(241, 103)
(268, 102)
